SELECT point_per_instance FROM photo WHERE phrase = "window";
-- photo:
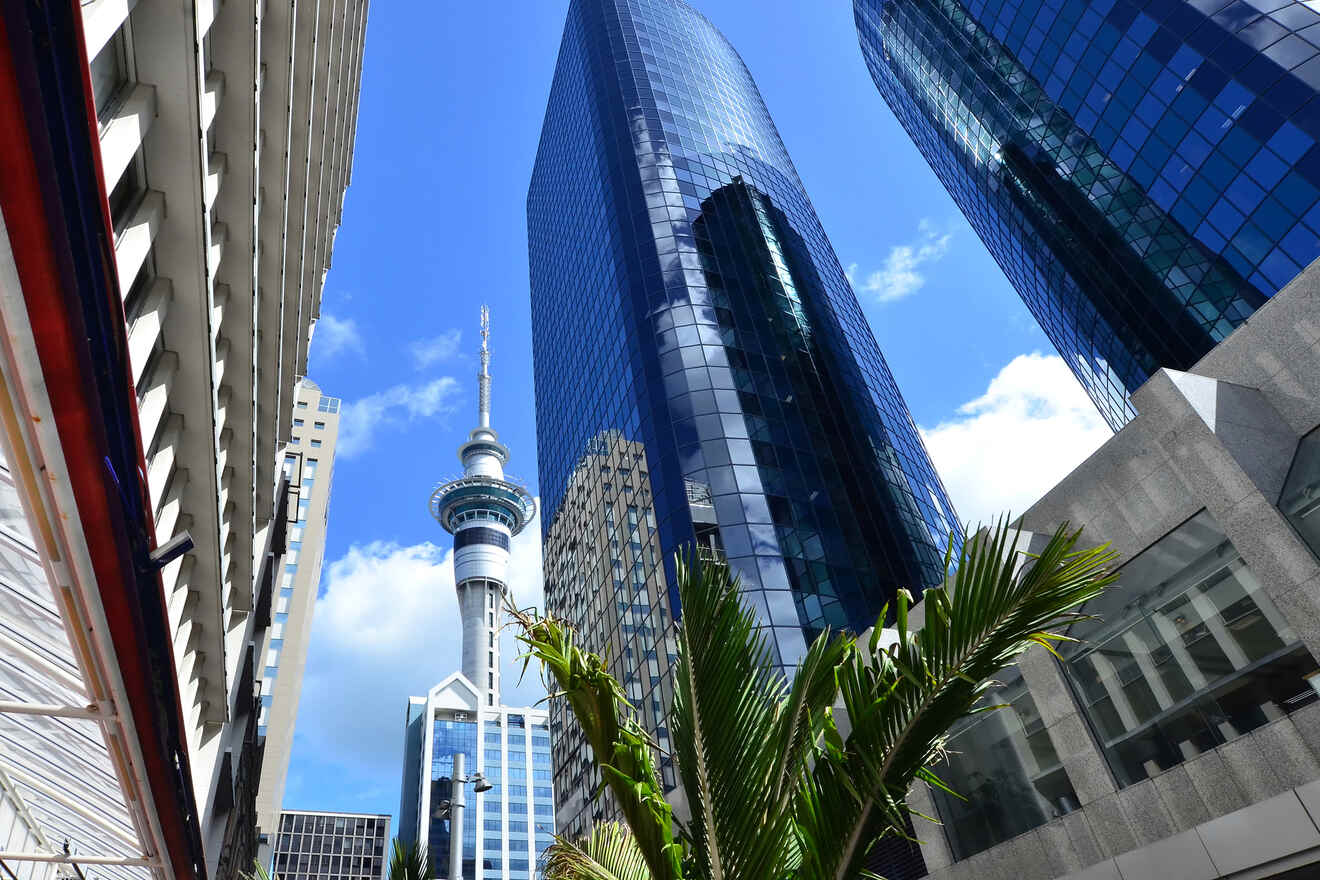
(1005, 770)
(295, 441)
(1300, 500)
(297, 423)
(318, 425)
(1189, 654)
(302, 404)
(110, 74)
(316, 444)
(127, 193)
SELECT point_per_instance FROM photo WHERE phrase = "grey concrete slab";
(1252, 768)
(1180, 857)
(1110, 825)
(1218, 787)
(1147, 816)
(1082, 838)
(1260, 833)
(1089, 774)
(1288, 752)
(1106, 870)
(1309, 795)
(1181, 798)
(1301, 608)
(1307, 722)
(1059, 850)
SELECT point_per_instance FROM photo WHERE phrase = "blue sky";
(453, 96)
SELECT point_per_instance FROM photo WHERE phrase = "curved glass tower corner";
(704, 372)
(1144, 171)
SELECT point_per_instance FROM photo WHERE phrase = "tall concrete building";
(168, 227)
(1179, 736)
(461, 733)
(1145, 172)
(689, 314)
(332, 846)
(309, 467)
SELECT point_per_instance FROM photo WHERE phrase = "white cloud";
(386, 628)
(334, 335)
(900, 276)
(392, 407)
(436, 349)
(1006, 448)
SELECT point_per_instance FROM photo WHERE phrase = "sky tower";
(482, 510)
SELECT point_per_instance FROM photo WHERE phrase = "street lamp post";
(454, 808)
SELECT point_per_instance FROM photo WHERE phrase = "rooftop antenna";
(483, 378)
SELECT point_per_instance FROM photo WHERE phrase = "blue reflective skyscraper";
(1144, 171)
(703, 369)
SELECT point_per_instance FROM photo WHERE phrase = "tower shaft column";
(479, 607)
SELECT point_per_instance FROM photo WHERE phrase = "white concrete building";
(223, 138)
(309, 466)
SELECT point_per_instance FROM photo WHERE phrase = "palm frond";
(622, 748)
(410, 862)
(259, 872)
(901, 701)
(741, 733)
(609, 853)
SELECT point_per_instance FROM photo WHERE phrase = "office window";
(1187, 654)
(302, 404)
(316, 444)
(127, 193)
(318, 425)
(297, 423)
(295, 441)
(1300, 500)
(110, 73)
(1005, 769)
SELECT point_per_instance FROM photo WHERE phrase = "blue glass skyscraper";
(1144, 171)
(704, 372)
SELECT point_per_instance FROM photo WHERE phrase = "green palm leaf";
(622, 748)
(410, 862)
(902, 700)
(741, 733)
(609, 853)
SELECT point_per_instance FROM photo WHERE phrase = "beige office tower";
(308, 463)
(224, 132)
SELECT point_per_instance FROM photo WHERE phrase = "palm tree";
(776, 788)
(408, 861)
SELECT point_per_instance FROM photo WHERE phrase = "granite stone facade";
(1223, 443)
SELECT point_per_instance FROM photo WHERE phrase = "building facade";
(1145, 173)
(309, 467)
(508, 818)
(1180, 735)
(332, 846)
(689, 316)
(506, 830)
(190, 213)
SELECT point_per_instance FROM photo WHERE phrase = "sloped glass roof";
(60, 768)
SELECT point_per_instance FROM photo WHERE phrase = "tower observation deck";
(482, 510)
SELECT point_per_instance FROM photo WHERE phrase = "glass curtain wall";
(1005, 770)
(450, 738)
(1300, 500)
(1188, 653)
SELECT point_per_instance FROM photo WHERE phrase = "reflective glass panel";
(1005, 769)
(1300, 501)
(1188, 653)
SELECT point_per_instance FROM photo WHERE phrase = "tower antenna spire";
(483, 378)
